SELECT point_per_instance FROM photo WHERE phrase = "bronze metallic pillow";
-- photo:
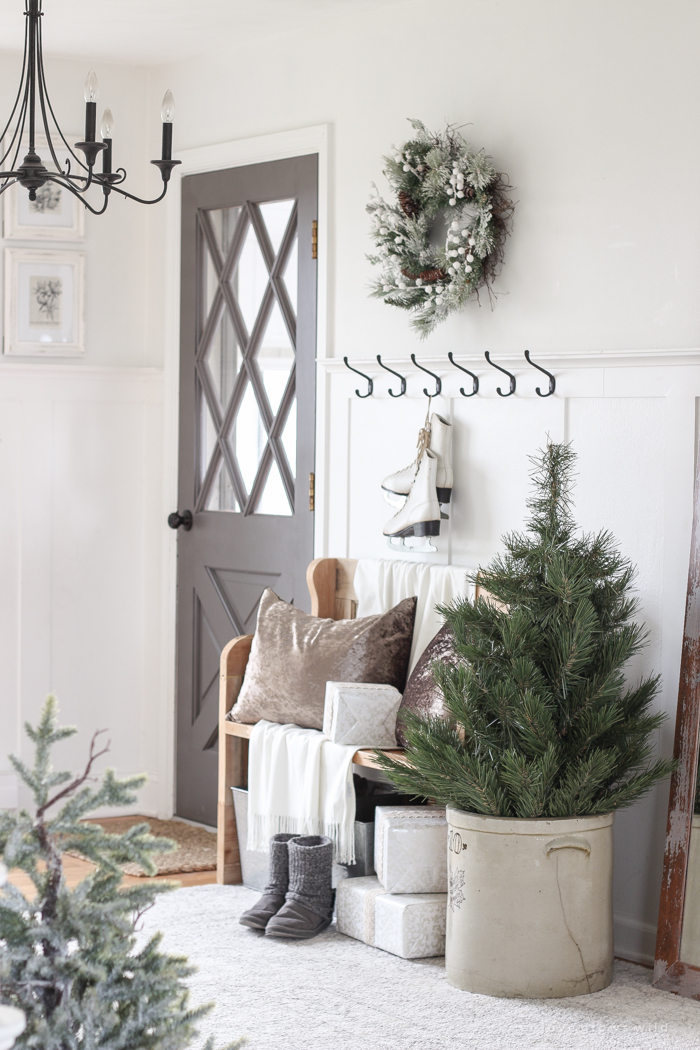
(293, 655)
(423, 695)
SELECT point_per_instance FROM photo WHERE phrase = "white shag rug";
(334, 993)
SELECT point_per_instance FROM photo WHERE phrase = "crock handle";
(568, 842)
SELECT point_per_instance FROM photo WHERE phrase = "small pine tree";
(69, 959)
(540, 722)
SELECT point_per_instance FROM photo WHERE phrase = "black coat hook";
(370, 382)
(403, 381)
(505, 372)
(475, 379)
(552, 380)
(438, 381)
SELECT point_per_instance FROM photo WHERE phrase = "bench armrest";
(234, 660)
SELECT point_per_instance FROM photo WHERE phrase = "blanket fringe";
(261, 828)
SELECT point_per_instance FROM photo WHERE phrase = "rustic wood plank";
(345, 597)
(320, 579)
(241, 729)
(360, 758)
(367, 759)
(233, 760)
(669, 971)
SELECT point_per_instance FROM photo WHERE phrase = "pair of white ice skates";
(420, 488)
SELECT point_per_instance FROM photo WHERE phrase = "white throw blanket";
(300, 782)
(382, 583)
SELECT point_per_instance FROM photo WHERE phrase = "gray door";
(247, 406)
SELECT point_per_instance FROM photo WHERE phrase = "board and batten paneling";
(83, 530)
(633, 422)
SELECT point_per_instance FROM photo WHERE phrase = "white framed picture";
(44, 303)
(55, 215)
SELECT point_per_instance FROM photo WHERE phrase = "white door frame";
(279, 146)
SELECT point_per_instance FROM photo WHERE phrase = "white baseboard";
(9, 791)
(634, 940)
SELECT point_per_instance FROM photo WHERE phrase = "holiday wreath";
(431, 264)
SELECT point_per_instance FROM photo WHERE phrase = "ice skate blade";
(412, 544)
(394, 499)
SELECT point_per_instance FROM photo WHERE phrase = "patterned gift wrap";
(410, 849)
(361, 714)
(411, 925)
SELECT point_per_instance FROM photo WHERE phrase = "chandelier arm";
(43, 95)
(69, 181)
(42, 76)
(79, 194)
(19, 133)
(13, 178)
(16, 140)
(140, 200)
(17, 99)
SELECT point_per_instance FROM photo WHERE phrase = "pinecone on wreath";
(409, 207)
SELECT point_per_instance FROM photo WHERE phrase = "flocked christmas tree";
(541, 722)
(70, 959)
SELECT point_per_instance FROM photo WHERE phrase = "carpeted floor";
(334, 993)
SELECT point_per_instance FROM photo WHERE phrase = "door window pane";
(221, 495)
(223, 358)
(224, 222)
(289, 438)
(211, 284)
(276, 218)
(207, 436)
(290, 274)
(248, 437)
(250, 279)
(275, 357)
(274, 498)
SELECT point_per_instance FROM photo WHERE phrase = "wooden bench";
(330, 582)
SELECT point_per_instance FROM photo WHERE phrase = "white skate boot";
(437, 436)
(420, 515)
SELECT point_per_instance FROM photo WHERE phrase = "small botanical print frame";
(55, 215)
(44, 303)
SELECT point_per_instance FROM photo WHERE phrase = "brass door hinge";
(314, 239)
(312, 487)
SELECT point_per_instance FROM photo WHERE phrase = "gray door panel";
(247, 408)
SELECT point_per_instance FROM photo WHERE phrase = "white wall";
(592, 109)
(81, 482)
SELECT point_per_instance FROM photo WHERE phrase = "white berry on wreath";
(428, 175)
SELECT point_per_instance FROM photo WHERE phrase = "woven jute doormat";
(196, 847)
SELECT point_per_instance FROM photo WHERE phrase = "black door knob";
(175, 520)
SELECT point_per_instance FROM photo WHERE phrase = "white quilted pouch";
(410, 849)
(361, 714)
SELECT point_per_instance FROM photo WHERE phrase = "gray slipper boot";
(308, 908)
(273, 896)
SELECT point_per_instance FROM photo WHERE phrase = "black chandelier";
(31, 172)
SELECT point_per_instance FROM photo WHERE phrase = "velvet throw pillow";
(293, 655)
(423, 695)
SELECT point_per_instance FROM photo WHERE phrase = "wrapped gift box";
(410, 849)
(411, 925)
(361, 714)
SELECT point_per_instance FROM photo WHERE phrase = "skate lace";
(423, 440)
(424, 435)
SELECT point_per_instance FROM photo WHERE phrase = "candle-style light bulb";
(107, 125)
(106, 129)
(167, 113)
(92, 88)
